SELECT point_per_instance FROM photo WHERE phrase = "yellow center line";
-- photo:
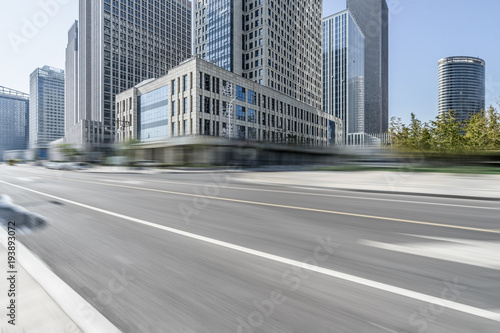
(288, 206)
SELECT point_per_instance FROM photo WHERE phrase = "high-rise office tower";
(343, 73)
(72, 117)
(14, 115)
(461, 86)
(120, 44)
(46, 109)
(274, 43)
(372, 16)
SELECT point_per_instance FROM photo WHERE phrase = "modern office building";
(46, 109)
(200, 98)
(72, 118)
(14, 116)
(372, 17)
(343, 74)
(274, 43)
(118, 45)
(461, 86)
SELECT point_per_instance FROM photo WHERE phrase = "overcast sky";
(421, 32)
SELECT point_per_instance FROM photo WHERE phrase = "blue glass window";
(252, 97)
(251, 116)
(240, 93)
(153, 115)
(240, 112)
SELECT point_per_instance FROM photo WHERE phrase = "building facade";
(343, 74)
(274, 43)
(72, 117)
(372, 17)
(118, 45)
(200, 98)
(461, 86)
(46, 109)
(14, 120)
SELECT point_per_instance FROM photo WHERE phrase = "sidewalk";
(36, 311)
(436, 184)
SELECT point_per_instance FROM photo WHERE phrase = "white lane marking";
(216, 183)
(382, 327)
(324, 195)
(84, 315)
(27, 179)
(476, 253)
(339, 275)
(130, 182)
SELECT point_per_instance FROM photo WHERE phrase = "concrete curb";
(84, 315)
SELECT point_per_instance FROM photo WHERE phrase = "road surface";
(203, 252)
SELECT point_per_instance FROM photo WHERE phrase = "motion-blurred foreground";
(155, 249)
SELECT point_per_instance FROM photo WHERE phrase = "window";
(240, 113)
(252, 133)
(173, 108)
(251, 116)
(207, 82)
(252, 97)
(240, 93)
(207, 105)
(185, 82)
(173, 87)
(207, 127)
(185, 127)
(185, 105)
(240, 132)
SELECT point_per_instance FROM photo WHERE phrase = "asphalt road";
(202, 252)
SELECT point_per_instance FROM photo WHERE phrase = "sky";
(34, 33)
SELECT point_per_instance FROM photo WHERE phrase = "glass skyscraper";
(343, 72)
(119, 44)
(274, 43)
(46, 108)
(372, 17)
(14, 115)
(220, 20)
(461, 86)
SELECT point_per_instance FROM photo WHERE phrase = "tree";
(398, 133)
(447, 134)
(493, 127)
(476, 136)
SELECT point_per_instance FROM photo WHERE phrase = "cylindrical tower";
(461, 86)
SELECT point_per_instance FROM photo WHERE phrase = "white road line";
(339, 275)
(324, 195)
(215, 183)
(130, 182)
(84, 315)
(475, 253)
(27, 179)
(382, 327)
